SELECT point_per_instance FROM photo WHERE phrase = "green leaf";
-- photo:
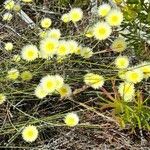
(133, 1)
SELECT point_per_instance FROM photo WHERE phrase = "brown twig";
(107, 93)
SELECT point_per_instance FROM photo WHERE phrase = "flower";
(26, 76)
(73, 46)
(40, 92)
(29, 52)
(65, 91)
(43, 34)
(13, 74)
(27, 1)
(46, 23)
(115, 17)
(86, 52)
(8, 46)
(134, 76)
(16, 58)
(122, 62)
(9, 4)
(59, 81)
(30, 133)
(89, 32)
(78, 51)
(2, 98)
(7, 16)
(65, 18)
(44, 55)
(63, 48)
(102, 30)
(76, 14)
(127, 91)
(71, 119)
(48, 46)
(54, 33)
(122, 73)
(48, 83)
(145, 68)
(17, 8)
(119, 44)
(94, 80)
(104, 9)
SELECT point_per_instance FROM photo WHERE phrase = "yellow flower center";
(49, 84)
(134, 76)
(119, 45)
(114, 18)
(63, 90)
(49, 46)
(71, 121)
(146, 70)
(75, 16)
(122, 62)
(30, 53)
(127, 90)
(62, 49)
(46, 23)
(30, 134)
(102, 31)
(104, 12)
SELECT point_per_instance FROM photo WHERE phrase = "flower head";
(115, 17)
(122, 74)
(65, 91)
(43, 34)
(29, 52)
(2, 98)
(48, 83)
(134, 76)
(89, 32)
(122, 62)
(119, 45)
(126, 91)
(145, 68)
(63, 48)
(65, 18)
(46, 23)
(59, 81)
(40, 92)
(48, 46)
(30, 133)
(17, 8)
(9, 4)
(103, 10)
(16, 58)
(73, 46)
(13, 74)
(71, 119)
(7, 16)
(26, 76)
(86, 52)
(8, 46)
(76, 14)
(44, 55)
(94, 80)
(79, 49)
(54, 33)
(102, 30)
